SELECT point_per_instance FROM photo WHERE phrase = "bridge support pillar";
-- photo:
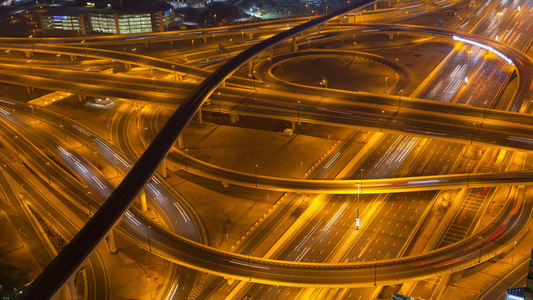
(293, 124)
(234, 118)
(250, 36)
(318, 29)
(110, 239)
(180, 141)
(474, 152)
(375, 6)
(30, 89)
(142, 198)
(146, 44)
(230, 281)
(200, 116)
(271, 52)
(294, 46)
(163, 167)
(205, 40)
(250, 67)
(28, 54)
(391, 36)
(72, 288)
(446, 198)
(72, 57)
(81, 98)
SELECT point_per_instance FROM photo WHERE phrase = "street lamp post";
(468, 177)
(192, 42)
(64, 133)
(149, 290)
(249, 267)
(381, 121)
(16, 145)
(97, 158)
(60, 65)
(186, 159)
(360, 188)
(148, 235)
(153, 80)
(29, 63)
(473, 128)
(485, 110)
(9, 55)
(400, 100)
(134, 50)
(354, 49)
(116, 166)
(219, 104)
(298, 112)
(255, 176)
(323, 84)
(357, 208)
(174, 70)
(32, 44)
(480, 248)
(84, 49)
(252, 82)
(375, 270)
(89, 202)
(47, 173)
(88, 77)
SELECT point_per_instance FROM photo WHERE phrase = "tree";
(12, 280)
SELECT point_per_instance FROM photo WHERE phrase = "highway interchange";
(282, 272)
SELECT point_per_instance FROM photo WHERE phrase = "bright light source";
(488, 48)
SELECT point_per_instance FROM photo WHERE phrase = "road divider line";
(271, 209)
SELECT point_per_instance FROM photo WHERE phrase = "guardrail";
(54, 276)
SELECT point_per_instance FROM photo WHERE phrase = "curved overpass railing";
(69, 260)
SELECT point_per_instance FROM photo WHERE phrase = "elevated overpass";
(454, 257)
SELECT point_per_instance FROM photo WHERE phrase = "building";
(108, 17)
(515, 294)
(523, 293)
(528, 293)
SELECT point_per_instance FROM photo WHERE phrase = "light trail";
(488, 48)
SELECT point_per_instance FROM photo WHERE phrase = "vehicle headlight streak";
(335, 217)
(156, 191)
(81, 130)
(488, 48)
(102, 144)
(4, 111)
